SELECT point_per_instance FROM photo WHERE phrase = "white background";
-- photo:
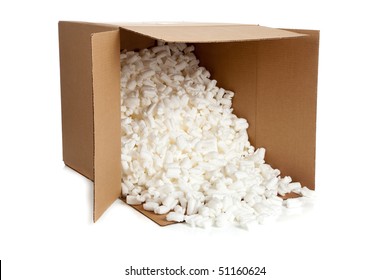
(46, 209)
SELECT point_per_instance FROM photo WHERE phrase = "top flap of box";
(106, 114)
(200, 33)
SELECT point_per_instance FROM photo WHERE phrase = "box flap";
(106, 116)
(198, 33)
(76, 93)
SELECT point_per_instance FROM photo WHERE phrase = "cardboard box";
(272, 71)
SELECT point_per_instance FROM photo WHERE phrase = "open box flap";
(197, 33)
(106, 114)
(76, 93)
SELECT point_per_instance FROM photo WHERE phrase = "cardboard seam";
(124, 25)
(316, 109)
(257, 94)
(93, 130)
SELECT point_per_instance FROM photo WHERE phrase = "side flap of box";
(210, 33)
(286, 104)
(76, 93)
(106, 119)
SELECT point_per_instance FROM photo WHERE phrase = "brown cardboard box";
(272, 71)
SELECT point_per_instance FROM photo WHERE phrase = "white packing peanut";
(306, 192)
(294, 186)
(132, 200)
(150, 205)
(125, 189)
(293, 203)
(161, 210)
(170, 202)
(176, 217)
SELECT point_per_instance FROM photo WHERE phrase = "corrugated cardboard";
(76, 94)
(272, 71)
(214, 33)
(106, 118)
